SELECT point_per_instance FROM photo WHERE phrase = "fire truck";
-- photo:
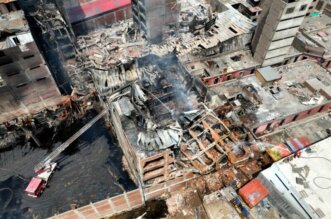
(38, 183)
(46, 167)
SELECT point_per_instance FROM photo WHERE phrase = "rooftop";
(316, 32)
(290, 95)
(229, 24)
(233, 61)
(269, 74)
(308, 175)
(13, 22)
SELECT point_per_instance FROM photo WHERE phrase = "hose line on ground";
(10, 198)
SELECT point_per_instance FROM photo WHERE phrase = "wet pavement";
(89, 170)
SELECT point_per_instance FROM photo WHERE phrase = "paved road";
(83, 176)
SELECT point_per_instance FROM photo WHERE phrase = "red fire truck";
(38, 184)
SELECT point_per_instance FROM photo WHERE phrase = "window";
(16, 40)
(28, 57)
(12, 74)
(40, 79)
(35, 67)
(21, 85)
(233, 30)
(289, 10)
(303, 7)
(5, 61)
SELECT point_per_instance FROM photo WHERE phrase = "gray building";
(276, 29)
(155, 18)
(26, 84)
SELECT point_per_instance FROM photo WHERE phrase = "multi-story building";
(26, 83)
(154, 17)
(85, 16)
(276, 29)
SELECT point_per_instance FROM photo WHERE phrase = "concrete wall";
(126, 201)
(218, 79)
(128, 152)
(281, 43)
(327, 9)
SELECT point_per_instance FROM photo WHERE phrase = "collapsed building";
(165, 131)
(161, 110)
(203, 102)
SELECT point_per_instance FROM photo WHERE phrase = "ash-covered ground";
(89, 170)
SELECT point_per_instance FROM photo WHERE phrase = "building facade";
(155, 17)
(276, 29)
(26, 83)
(85, 16)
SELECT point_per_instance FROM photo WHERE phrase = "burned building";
(275, 97)
(53, 36)
(189, 101)
(27, 85)
(146, 118)
(166, 132)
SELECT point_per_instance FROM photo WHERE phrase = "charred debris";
(197, 104)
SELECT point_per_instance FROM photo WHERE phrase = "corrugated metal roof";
(253, 192)
(94, 8)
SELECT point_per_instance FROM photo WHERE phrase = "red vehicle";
(35, 187)
(38, 184)
(46, 167)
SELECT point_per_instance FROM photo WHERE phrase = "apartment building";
(276, 29)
